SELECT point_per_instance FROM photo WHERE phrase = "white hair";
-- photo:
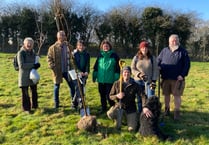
(174, 36)
(28, 39)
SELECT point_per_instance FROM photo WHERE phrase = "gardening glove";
(36, 65)
(142, 76)
(153, 85)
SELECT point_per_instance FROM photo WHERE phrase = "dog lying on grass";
(150, 126)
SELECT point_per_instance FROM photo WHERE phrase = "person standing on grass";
(82, 61)
(26, 61)
(106, 70)
(145, 70)
(174, 65)
(59, 58)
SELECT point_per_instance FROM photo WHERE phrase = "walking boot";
(176, 115)
(167, 111)
(56, 105)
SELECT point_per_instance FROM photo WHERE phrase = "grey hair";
(28, 39)
(60, 32)
(174, 36)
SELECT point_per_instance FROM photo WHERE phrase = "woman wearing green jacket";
(106, 71)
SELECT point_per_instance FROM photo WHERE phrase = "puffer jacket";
(26, 60)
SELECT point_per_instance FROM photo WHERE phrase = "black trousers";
(104, 90)
(26, 101)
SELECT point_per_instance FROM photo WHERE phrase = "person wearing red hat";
(145, 71)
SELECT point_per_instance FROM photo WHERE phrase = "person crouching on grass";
(130, 89)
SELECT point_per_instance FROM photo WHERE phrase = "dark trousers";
(104, 90)
(77, 96)
(79, 92)
(26, 101)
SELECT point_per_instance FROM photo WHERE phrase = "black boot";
(167, 111)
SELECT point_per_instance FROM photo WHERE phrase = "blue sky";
(200, 7)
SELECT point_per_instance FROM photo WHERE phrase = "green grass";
(47, 126)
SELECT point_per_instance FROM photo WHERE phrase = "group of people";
(61, 58)
(172, 64)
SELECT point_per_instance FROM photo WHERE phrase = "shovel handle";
(121, 64)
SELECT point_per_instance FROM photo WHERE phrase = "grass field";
(47, 126)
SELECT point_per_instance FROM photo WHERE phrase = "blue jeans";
(57, 86)
(149, 92)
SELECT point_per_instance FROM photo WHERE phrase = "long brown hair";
(140, 54)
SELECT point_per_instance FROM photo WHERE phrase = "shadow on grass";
(5, 106)
(191, 125)
(65, 109)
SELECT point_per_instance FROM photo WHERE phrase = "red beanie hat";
(143, 44)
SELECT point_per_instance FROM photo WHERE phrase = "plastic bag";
(34, 76)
